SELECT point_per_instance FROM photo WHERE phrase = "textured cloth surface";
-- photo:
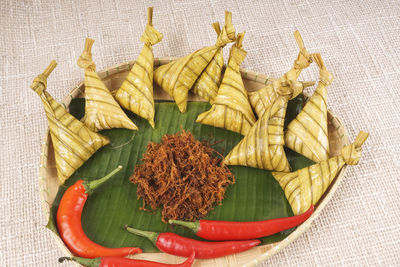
(359, 42)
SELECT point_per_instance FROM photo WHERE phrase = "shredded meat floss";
(182, 175)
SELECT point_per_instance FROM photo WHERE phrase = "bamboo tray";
(113, 77)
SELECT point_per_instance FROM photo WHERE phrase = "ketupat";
(307, 134)
(101, 109)
(231, 109)
(305, 187)
(263, 98)
(179, 76)
(209, 81)
(262, 147)
(73, 142)
(136, 92)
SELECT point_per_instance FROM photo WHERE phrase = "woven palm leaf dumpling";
(263, 98)
(307, 134)
(179, 76)
(305, 187)
(263, 146)
(231, 109)
(209, 81)
(101, 109)
(73, 142)
(136, 92)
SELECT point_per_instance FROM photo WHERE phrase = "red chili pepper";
(222, 230)
(69, 221)
(124, 262)
(182, 246)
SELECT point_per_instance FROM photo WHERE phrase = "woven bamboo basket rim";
(48, 182)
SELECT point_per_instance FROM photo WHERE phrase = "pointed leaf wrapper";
(262, 147)
(73, 142)
(305, 187)
(231, 109)
(179, 76)
(307, 134)
(136, 92)
(101, 109)
(263, 98)
(209, 81)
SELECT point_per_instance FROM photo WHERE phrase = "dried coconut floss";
(183, 175)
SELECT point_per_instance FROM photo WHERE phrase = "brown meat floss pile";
(183, 175)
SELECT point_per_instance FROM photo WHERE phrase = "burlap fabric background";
(359, 42)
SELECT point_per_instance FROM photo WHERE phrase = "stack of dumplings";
(259, 116)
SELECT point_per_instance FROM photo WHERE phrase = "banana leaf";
(255, 196)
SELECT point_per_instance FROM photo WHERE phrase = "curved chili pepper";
(182, 246)
(222, 230)
(124, 262)
(69, 221)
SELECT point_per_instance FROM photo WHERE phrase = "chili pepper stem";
(195, 226)
(92, 185)
(85, 262)
(152, 236)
